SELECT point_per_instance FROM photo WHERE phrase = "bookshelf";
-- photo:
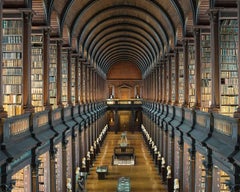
(200, 177)
(22, 180)
(191, 62)
(53, 74)
(219, 180)
(173, 76)
(166, 79)
(58, 167)
(181, 77)
(43, 174)
(19, 181)
(12, 67)
(79, 81)
(64, 84)
(37, 72)
(69, 158)
(186, 167)
(228, 66)
(73, 85)
(205, 70)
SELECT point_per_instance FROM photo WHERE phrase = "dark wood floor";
(143, 176)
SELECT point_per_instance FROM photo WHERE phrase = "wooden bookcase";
(173, 76)
(22, 180)
(43, 173)
(12, 67)
(229, 66)
(191, 62)
(200, 176)
(181, 77)
(219, 180)
(58, 167)
(205, 52)
(64, 83)
(37, 71)
(53, 74)
(73, 81)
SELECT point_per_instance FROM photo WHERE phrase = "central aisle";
(143, 176)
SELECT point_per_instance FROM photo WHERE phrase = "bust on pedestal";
(69, 185)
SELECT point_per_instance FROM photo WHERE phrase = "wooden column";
(46, 63)
(27, 98)
(197, 69)
(237, 113)
(209, 175)
(3, 114)
(214, 19)
(34, 176)
(59, 73)
(186, 74)
(176, 55)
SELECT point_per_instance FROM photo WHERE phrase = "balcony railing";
(124, 102)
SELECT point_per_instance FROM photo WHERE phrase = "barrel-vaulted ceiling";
(105, 32)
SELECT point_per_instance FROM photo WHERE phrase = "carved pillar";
(215, 102)
(197, 69)
(192, 154)
(34, 177)
(209, 175)
(176, 55)
(237, 113)
(59, 74)
(52, 170)
(186, 73)
(46, 63)
(27, 99)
